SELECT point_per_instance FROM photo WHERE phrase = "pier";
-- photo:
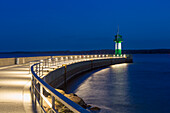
(22, 85)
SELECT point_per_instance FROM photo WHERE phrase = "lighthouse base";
(118, 52)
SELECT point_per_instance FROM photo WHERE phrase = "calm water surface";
(140, 87)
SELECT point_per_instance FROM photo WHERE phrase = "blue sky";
(41, 25)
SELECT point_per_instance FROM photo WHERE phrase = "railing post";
(34, 83)
(45, 63)
(41, 93)
(32, 87)
(42, 68)
(80, 57)
(70, 57)
(56, 61)
(48, 63)
(29, 67)
(53, 102)
(16, 60)
(51, 63)
(36, 69)
(75, 58)
(39, 69)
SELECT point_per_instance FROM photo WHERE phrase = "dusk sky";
(52, 25)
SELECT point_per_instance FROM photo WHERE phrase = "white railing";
(39, 87)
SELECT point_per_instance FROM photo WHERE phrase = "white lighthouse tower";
(118, 46)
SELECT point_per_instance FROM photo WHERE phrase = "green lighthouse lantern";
(118, 46)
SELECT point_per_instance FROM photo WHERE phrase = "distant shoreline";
(109, 51)
(104, 51)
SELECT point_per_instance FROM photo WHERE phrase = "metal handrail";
(38, 85)
(67, 102)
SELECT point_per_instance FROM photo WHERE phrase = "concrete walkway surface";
(15, 96)
(15, 82)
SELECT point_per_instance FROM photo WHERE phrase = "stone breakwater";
(63, 109)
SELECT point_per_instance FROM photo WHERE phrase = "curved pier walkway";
(15, 82)
(15, 96)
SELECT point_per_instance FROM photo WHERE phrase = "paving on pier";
(15, 96)
(15, 82)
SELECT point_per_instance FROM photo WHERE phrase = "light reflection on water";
(120, 87)
(95, 88)
(140, 87)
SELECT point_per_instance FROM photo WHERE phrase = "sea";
(139, 87)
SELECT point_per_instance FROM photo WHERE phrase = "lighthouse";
(118, 46)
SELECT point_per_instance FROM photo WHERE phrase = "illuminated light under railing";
(84, 56)
(66, 58)
(56, 59)
(107, 55)
(75, 57)
(61, 58)
(103, 55)
(124, 55)
(95, 56)
(71, 57)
